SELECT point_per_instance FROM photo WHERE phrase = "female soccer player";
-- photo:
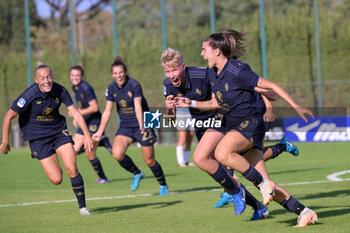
(232, 85)
(46, 130)
(193, 82)
(87, 106)
(127, 94)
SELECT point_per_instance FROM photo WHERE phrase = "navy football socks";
(98, 167)
(129, 165)
(158, 173)
(78, 189)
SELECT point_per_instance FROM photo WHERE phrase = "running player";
(233, 83)
(126, 92)
(46, 130)
(193, 82)
(87, 106)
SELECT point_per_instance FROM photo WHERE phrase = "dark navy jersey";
(39, 115)
(234, 90)
(124, 99)
(84, 93)
(197, 87)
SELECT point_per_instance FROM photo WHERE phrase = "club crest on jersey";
(21, 102)
(129, 94)
(57, 100)
(199, 92)
(82, 95)
(212, 83)
(226, 87)
(123, 103)
(38, 102)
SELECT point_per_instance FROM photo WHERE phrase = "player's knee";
(56, 180)
(150, 162)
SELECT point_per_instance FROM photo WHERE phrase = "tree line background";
(290, 35)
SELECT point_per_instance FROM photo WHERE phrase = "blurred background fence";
(290, 44)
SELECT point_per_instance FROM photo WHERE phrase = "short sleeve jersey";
(234, 90)
(39, 115)
(124, 99)
(197, 87)
(84, 93)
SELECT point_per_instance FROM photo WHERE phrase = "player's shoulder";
(31, 92)
(85, 85)
(236, 66)
(196, 72)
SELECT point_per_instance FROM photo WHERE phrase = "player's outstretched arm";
(106, 115)
(209, 105)
(5, 146)
(302, 111)
(88, 143)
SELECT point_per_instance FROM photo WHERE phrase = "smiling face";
(75, 77)
(44, 79)
(176, 75)
(119, 75)
(209, 54)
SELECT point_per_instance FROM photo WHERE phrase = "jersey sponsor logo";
(47, 111)
(130, 94)
(21, 102)
(199, 92)
(123, 103)
(47, 115)
(151, 119)
(57, 100)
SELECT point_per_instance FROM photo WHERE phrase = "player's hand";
(269, 116)
(4, 148)
(142, 130)
(270, 95)
(97, 136)
(183, 102)
(170, 102)
(303, 112)
(88, 143)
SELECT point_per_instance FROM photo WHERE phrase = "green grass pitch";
(30, 203)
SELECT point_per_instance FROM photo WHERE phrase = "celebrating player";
(233, 83)
(46, 130)
(127, 94)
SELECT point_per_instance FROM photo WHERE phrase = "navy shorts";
(267, 126)
(148, 138)
(92, 127)
(45, 147)
(250, 128)
(200, 131)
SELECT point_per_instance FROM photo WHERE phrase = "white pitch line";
(331, 178)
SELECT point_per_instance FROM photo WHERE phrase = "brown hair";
(118, 61)
(42, 66)
(231, 43)
(78, 67)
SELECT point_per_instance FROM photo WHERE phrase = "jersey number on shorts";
(147, 135)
